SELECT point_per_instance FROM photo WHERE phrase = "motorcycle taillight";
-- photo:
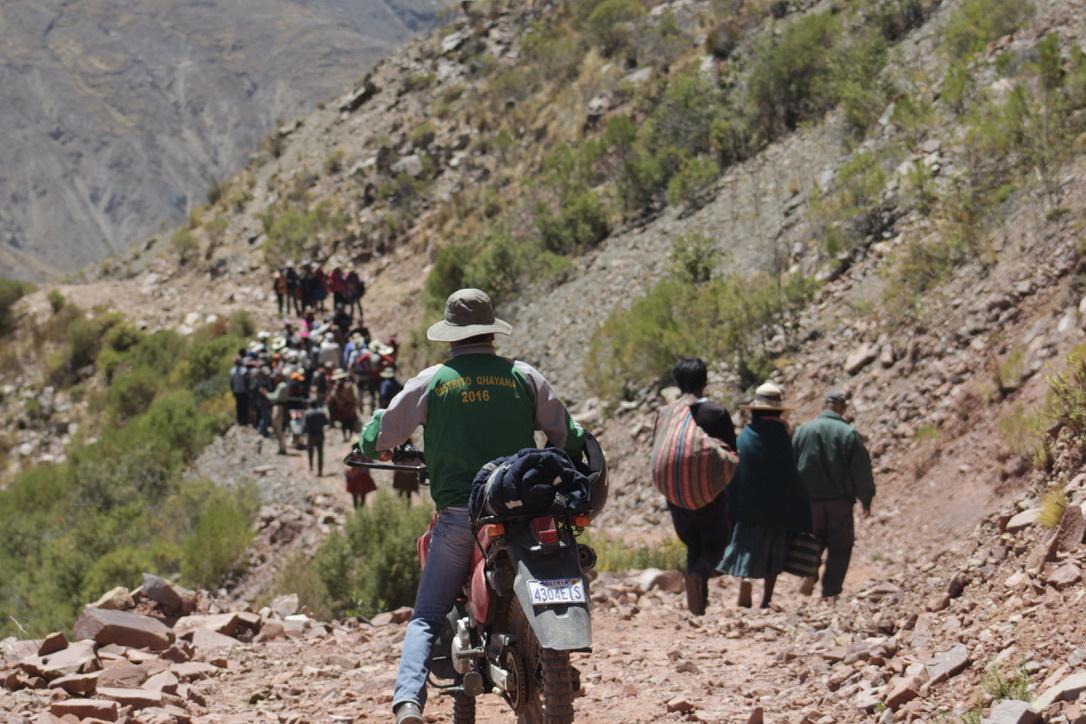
(548, 537)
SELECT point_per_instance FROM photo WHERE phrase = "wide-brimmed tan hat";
(768, 397)
(468, 313)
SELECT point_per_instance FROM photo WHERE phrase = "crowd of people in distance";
(788, 497)
(315, 374)
(296, 291)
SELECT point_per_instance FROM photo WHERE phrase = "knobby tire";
(463, 709)
(550, 677)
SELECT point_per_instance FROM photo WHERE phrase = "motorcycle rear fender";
(562, 628)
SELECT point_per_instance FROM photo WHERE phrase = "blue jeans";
(448, 566)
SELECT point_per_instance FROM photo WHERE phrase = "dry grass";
(1053, 504)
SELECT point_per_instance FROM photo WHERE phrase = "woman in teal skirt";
(766, 498)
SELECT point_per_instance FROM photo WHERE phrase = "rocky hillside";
(631, 183)
(987, 632)
(120, 117)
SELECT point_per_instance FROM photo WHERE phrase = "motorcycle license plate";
(551, 593)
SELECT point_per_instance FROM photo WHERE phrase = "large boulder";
(227, 624)
(947, 664)
(77, 658)
(122, 628)
(1068, 689)
(173, 599)
(86, 709)
(1012, 711)
(118, 599)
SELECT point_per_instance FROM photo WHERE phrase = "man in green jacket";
(835, 468)
(474, 408)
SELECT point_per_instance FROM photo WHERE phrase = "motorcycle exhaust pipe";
(586, 556)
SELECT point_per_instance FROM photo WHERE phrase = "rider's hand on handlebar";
(385, 456)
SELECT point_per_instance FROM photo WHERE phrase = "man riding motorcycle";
(474, 408)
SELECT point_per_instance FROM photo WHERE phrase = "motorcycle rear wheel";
(463, 709)
(550, 677)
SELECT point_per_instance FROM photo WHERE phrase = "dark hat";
(837, 397)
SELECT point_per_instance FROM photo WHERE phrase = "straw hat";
(768, 397)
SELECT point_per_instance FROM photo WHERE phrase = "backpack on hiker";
(689, 467)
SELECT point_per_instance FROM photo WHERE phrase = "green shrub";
(10, 292)
(118, 506)
(241, 324)
(372, 565)
(790, 80)
(289, 230)
(131, 392)
(693, 259)
(299, 575)
(1067, 394)
(855, 80)
(333, 162)
(580, 222)
(185, 246)
(617, 556)
(1023, 433)
(82, 341)
(999, 687)
(611, 24)
(975, 23)
(216, 548)
(216, 190)
(56, 300)
(553, 56)
(730, 318)
(694, 178)
(853, 212)
(723, 39)
(895, 18)
(120, 567)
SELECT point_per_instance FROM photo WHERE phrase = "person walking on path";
(359, 485)
(474, 408)
(316, 419)
(294, 291)
(278, 398)
(835, 469)
(279, 286)
(390, 387)
(355, 288)
(766, 499)
(239, 385)
(704, 530)
(343, 404)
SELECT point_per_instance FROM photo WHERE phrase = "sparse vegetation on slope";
(117, 506)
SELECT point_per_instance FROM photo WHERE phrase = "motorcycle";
(524, 609)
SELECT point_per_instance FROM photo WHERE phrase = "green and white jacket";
(474, 408)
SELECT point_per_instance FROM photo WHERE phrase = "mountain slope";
(119, 116)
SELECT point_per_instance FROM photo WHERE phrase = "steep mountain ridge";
(119, 117)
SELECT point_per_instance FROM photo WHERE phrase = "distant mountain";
(117, 116)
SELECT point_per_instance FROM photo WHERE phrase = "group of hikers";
(752, 506)
(296, 291)
(313, 375)
(766, 503)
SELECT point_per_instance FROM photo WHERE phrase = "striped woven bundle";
(804, 555)
(689, 467)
